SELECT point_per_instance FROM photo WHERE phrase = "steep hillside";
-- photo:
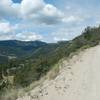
(78, 79)
(46, 57)
(39, 58)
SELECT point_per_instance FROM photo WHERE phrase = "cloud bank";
(31, 10)
(46, 20)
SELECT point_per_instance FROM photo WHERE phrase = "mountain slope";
(38, 62)
(32, 67)
(78, 79)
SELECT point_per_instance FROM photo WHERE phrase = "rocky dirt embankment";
(79, 79)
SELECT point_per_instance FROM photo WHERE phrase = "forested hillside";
(17, 49)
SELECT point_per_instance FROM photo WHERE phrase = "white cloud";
(7, 36)
(8, 9)
(66, 34)
(31, 10)
(38, 11)
(24, 36)
(28, 36)
(5, 27)
(8, 32)
(31, 7)
(50, 10)
(72, 18)
(68, 7)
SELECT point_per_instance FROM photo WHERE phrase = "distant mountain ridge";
(18, 48)
(21, 43)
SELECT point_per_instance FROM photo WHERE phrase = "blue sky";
(46, 20)
(17, 1)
